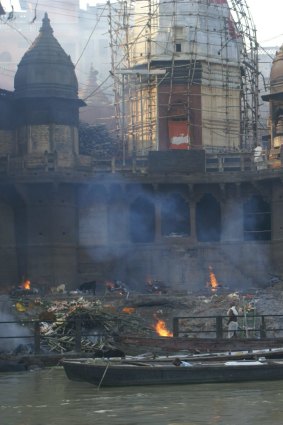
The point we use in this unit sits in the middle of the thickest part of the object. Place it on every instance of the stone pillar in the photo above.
(193, 235)
(192, 199)
(277, 228)
(276, 211)
(157, 205)
(52, 234)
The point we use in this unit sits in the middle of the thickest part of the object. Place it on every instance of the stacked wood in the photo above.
(97, 325)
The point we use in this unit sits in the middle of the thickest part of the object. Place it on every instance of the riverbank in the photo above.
(138, 315)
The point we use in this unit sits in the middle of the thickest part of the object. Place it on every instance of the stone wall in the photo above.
(178, 161)
(68, 233)
(7, 145)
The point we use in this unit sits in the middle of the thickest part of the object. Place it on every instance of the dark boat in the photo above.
(114, 374)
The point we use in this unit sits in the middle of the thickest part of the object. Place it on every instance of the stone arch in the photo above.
(208, 219)
(175, 215)
(257, 219)
(142, 220)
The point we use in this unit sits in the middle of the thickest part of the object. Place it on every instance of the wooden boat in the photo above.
(114, 374)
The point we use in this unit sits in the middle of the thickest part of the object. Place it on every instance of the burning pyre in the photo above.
(23, 289)
(212, 284)
(161, 329)
(25, 285)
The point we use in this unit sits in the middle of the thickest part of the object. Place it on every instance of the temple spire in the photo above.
(46, 27)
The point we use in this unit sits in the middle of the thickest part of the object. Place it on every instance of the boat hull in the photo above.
(111, 375)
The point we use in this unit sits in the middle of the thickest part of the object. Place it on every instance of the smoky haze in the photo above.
(73, 28)
(11, 334)
(115, 236)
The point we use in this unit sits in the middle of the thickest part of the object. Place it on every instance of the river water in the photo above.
(47, 397)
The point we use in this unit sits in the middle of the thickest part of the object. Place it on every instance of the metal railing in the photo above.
(37, 338)
(214, 327)
(33, 164)
(250, 326)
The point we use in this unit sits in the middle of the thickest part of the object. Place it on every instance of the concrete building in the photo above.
(68, 218)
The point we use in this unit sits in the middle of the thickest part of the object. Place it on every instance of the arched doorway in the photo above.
(208, 219)
(257, 219)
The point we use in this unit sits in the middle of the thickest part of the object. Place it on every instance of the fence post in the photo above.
(36, 337)
(219, 327)
(262, 328)
(78, 335)
(175, 327)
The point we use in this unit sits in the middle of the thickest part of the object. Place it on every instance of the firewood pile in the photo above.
(96, 324)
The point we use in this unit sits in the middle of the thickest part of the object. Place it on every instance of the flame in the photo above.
(26, 285)
(128, 310)
(161, 329)
(213, 281)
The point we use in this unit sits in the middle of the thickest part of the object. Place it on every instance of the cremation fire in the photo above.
(213, 284)
(24, 289)
(161, 329)
(129, 310)
(25, 285)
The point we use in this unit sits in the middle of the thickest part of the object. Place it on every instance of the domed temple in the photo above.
(67, 217)
(275, 99)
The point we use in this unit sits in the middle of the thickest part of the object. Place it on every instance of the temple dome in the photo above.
(276, 75)
(46, 70)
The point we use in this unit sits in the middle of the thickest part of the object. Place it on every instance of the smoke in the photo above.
(119, 233)
(246, 234)
(117, 219)
(11, 334)
(114, 217)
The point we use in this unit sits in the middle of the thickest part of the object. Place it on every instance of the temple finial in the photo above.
(46, 27)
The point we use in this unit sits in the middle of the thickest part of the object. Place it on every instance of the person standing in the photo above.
(232, 314)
